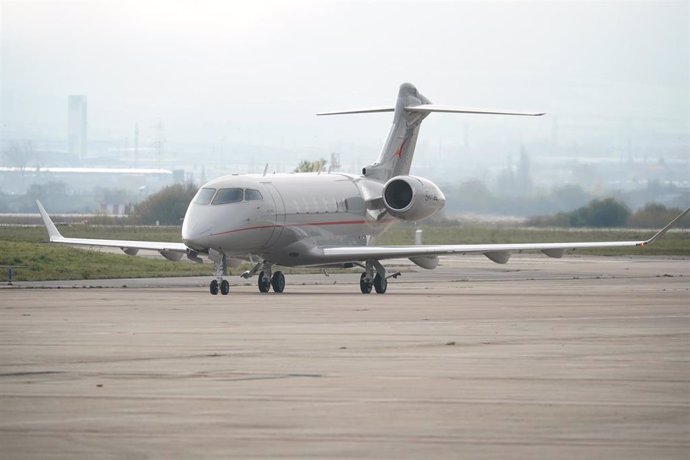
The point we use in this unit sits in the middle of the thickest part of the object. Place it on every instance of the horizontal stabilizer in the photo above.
(427, 108)
(364, 110)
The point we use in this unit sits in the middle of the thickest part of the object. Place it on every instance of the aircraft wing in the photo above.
(499, 253)
(172, 251)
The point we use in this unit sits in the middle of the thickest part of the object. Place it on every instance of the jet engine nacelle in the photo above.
(412, 197)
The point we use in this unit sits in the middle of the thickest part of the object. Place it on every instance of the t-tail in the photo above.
(409, 111)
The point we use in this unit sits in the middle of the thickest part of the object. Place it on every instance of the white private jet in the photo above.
(325, 219)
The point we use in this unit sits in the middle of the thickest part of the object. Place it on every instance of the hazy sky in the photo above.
(256, 71)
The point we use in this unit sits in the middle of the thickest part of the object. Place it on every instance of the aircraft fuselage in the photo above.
(284, 218)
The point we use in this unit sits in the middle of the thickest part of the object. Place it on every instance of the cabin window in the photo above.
(252, 195)
(204, 195)
(228, 195)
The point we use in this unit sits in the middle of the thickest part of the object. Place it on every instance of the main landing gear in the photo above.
(379, 280)
(267, 280)
(374, 276)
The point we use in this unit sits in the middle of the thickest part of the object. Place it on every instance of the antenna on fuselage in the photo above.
(265, 169)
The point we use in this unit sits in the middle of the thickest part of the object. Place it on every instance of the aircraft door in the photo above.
(279, 213)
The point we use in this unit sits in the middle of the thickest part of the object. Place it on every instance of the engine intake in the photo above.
(412, 197)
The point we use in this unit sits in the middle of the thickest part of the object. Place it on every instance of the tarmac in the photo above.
(581, 357)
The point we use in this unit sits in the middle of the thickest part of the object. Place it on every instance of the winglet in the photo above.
(661, 232)
(53, 232)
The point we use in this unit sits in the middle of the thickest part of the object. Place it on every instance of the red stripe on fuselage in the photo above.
(308, 224)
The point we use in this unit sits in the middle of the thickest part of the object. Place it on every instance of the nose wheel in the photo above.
(220, 263)
(223, 287)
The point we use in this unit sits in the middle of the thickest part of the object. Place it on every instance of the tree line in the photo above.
(610, 213)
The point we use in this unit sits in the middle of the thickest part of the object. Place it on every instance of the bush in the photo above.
(598, 213)
(654, 215)
(601, 213)
(166, 207)
(310, 166)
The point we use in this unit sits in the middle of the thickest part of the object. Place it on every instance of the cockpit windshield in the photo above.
(204, 195)
(228, 195)
(214, 196)
(252, 195)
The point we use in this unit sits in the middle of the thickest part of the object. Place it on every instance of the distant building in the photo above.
(115, 209)
(76, 111)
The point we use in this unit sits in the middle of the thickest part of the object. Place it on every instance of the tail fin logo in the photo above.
(398, 153)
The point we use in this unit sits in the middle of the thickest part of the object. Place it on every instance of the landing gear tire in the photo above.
(380, 284)
(278, 282)
(264, 283)
(213, 287)
(224, 287)
(365, 284)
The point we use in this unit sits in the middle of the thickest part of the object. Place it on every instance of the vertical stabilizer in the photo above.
(409, 111)
(396, 157)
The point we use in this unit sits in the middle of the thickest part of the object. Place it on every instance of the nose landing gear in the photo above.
(220, 264)
(223, 287)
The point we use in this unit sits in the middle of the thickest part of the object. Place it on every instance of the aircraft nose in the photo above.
(195, 229)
